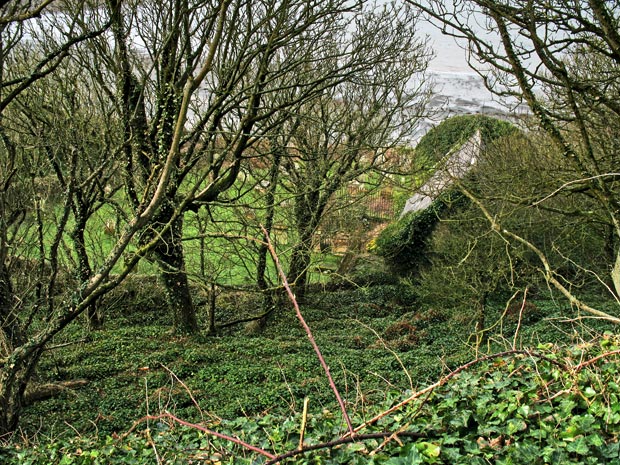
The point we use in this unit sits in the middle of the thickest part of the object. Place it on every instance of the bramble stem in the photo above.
(204, 430)
(315, 346)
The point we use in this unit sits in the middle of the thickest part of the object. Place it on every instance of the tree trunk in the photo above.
(211, 330)
(15, 373)
(300, 261)
(95, 321)
(9, 324)
(170, 257)
(309, 210)
(270, 296)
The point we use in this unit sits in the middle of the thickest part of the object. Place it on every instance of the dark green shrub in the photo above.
(455, 131)
(372, 271)
(403, 244)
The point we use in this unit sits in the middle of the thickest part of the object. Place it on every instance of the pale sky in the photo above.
(449, 56)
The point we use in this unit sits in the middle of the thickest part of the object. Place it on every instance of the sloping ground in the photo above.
(549, 405)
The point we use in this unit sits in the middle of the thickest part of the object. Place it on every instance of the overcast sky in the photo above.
(450, 57)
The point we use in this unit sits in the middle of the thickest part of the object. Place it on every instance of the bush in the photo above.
(403, 244)
(455, 131)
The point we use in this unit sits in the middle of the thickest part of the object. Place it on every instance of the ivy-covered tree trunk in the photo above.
(95, 321)
(300, 262)
(309, 209)
(171, 260)
(307, 215)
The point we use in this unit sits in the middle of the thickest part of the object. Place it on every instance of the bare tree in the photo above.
(190, 91)
(562, 58)
(263, 49)
(77, 134)
(29, 283)
(17, 20)
(353, 128)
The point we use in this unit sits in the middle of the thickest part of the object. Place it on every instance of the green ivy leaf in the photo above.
(429, 449)
(578, 446)
(589, 392)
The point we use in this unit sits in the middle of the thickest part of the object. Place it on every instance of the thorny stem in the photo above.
(345, 440)
(446, 378)
(315, 346)
(204, 430)
(592, 361)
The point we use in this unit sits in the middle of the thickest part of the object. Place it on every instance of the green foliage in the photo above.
(232, 374)
(455, 131)
(379, 344)
(404, 244)
(553, 404)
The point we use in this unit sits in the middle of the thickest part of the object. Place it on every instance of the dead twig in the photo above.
(170, 416)
(514, 340)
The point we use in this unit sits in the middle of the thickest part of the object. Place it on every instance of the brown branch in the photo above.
(317, 350)
(52, 61)
(592, 361)
(185, 387)
(65, 344)
(570, 183)
(26, 15)
(345, 440)
(199, 428)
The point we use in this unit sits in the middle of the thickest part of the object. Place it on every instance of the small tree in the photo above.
(352, 129)
(76, 135)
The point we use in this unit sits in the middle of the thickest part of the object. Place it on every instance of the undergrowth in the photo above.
(547, 405)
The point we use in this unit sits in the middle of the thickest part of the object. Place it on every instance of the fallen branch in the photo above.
(246, 320)
(47, 391)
